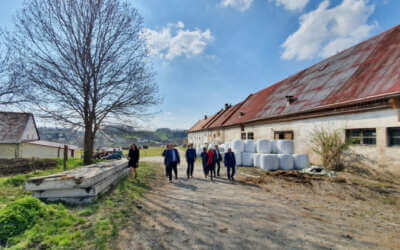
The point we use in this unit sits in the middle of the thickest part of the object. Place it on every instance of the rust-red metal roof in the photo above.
(368, 70)
(200, 124)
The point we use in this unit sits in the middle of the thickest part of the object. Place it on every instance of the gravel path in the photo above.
(200, 214)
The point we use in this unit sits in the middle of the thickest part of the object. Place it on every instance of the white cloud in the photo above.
(173, 41)
(292, 5)
(326, 31)
(240, 5)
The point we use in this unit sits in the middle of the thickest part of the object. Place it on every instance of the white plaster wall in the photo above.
(39, 151)
(8, 151)
(30, 133)
(199, 138)
(379, 156)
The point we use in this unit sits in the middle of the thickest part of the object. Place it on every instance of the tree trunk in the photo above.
(88, 145)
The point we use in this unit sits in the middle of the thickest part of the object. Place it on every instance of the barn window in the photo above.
(393, 136)
(283, 135)
(243, 136)
(361, 136)
(250, 136)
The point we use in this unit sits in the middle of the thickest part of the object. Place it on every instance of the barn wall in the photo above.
(8, 151)
(379, 156)
(39, 151)
(198, 139)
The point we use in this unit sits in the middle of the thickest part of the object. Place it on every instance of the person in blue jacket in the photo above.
(190, 158)
(172, 160)
(204, 160)
(230, 163)
(218, 159)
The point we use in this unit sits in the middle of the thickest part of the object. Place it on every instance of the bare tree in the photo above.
(85, 61)
(10, 90)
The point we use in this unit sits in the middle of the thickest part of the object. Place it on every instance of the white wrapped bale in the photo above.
(249, 146)
(257, 160)
(301, 161)
(237, 146)
(286, 162)
(238, 158)
(269, 162)
(263, 146)
(247, 159)
(285, 147)
(274, 147)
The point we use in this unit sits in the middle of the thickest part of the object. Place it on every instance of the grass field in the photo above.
(151, 151)
(61, 226)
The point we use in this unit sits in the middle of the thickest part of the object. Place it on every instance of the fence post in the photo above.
(65, 156)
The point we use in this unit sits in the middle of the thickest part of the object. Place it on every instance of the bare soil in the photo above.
(261, 210)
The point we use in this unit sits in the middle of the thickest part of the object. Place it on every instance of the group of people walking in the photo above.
(211, 161)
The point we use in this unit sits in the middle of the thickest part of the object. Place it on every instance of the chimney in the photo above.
(205, 117)
(290, 99)
(226, 106)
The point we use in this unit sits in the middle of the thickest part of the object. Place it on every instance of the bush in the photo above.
(331, 146)
(18, 216)
(16, 181)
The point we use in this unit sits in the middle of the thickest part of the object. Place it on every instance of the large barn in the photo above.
(356, 91)
(19, 138)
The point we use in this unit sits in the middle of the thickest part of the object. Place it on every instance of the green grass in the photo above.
(151, 151)
(93, 226)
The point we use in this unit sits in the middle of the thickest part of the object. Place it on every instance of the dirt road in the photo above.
(200, 214)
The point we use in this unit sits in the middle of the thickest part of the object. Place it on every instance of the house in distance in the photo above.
(356, 91)
(19, 138)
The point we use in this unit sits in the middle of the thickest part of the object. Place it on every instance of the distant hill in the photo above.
(115, 136)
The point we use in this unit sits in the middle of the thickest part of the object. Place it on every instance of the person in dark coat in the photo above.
(230, 163)
(211, 162)
(204, 159)
(165, 163)
(218, 159)
(133, 157)
(172, 160)
(190, 158)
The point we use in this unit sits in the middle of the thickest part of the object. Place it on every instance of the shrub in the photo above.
(15, 181)
(331, 146)
(18, 216)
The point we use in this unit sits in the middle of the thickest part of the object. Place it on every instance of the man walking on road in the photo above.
(230, 163)
(172, 160)
(190, 159)
(218, 159)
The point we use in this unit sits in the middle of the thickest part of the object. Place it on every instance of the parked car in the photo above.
(115, 156)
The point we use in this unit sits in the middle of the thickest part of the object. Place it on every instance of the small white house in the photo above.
(19, 138)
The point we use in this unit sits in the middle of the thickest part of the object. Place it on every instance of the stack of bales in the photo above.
(267, 154)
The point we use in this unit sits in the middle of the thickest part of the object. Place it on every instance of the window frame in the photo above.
(243, 135)
(361, 137)
(389, 137)
(283, 132)
(250, 137)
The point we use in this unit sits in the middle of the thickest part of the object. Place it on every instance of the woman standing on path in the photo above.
(133, 157)
(211, 162)
(204, 159)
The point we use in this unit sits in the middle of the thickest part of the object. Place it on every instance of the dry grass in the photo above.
(364, 200)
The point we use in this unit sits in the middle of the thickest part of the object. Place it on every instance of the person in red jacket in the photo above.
(211, 162)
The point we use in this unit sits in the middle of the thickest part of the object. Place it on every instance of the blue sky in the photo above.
(209, 52)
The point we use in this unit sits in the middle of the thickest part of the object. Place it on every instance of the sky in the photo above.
(206, 53)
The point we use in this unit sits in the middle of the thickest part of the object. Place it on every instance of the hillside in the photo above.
(115, 136)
